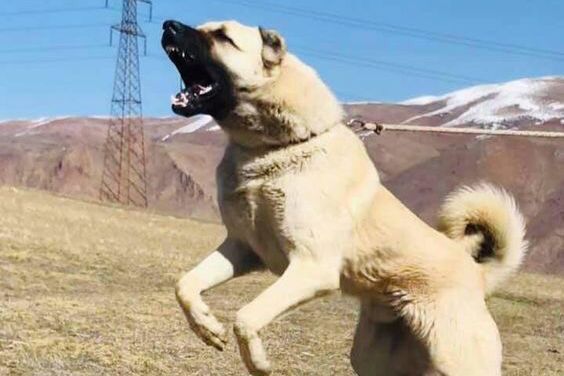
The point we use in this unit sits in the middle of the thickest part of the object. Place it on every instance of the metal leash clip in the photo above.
(363, 128)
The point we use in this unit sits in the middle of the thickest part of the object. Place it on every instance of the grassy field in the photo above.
(88, 290)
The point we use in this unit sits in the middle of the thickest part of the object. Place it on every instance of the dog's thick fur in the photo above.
(299, 195)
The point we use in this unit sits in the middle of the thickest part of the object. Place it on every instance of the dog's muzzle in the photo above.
(188, 49)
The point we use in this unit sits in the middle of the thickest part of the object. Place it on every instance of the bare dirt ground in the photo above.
(88, 290)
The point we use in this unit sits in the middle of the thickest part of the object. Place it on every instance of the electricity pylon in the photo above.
(124, 179)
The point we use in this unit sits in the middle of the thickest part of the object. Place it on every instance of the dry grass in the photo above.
(88, 290)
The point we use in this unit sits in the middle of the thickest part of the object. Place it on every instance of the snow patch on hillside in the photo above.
(44, 120)
(497, 104)
(362, 103)
(421, 101)
(196, 123)
(39, 123)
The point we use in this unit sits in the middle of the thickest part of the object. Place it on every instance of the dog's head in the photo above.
(244, 78)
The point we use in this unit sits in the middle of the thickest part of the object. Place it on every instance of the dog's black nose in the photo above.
(173, 25)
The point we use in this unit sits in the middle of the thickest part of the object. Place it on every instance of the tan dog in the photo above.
(299, 195)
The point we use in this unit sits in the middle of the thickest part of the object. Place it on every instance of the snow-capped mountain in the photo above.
(530, 100)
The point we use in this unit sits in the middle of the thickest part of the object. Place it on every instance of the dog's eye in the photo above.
(220, 35)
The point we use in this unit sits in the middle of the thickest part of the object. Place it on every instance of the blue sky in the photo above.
(50, 70)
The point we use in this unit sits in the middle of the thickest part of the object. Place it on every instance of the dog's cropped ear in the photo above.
(273, 47)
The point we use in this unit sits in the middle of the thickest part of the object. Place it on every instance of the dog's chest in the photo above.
(253, 207)
(255, 212)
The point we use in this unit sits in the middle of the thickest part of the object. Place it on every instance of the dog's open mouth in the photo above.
(207, 88)
(199, 85)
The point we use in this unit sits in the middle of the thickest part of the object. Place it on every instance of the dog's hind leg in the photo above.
(231, 259)
(384, 345)
(302, 281)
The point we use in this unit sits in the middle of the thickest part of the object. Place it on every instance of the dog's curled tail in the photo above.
(486, 220)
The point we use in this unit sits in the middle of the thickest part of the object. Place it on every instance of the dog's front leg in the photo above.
(302, 281)
(231, 259)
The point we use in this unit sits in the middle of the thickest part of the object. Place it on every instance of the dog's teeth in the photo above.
(171, 49)
(179, 99)
(203, 89)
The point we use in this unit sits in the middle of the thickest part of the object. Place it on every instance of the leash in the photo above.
(365, 129)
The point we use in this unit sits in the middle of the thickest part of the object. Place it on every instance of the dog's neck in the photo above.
(268, 126)
(293, 107)
(270, 162)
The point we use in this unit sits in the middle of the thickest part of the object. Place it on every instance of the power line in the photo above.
(20, 29)
(366, 62)
(53, 48)
(70, 59)
(369, 63)
(373, 64)
(386, 65)
(363, 24)
(55, 60)
(320, 54)
(389, 66)
(50, 11)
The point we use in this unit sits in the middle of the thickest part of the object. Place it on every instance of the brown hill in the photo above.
(64, 155)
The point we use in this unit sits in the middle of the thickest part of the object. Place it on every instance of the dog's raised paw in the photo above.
(205, 325)
(209, 330)
(252, 351)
